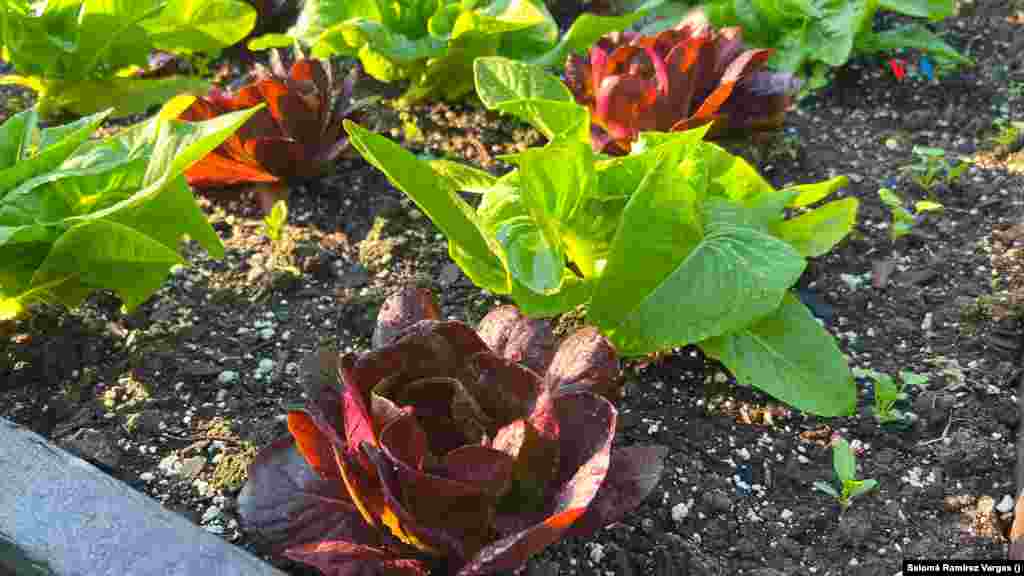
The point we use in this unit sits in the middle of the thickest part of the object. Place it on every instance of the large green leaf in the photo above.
(81, 54)
(789, 355)
(536, 32)
(474, 252)
(574, 292)
(208, 26)
(529, 93)
(15, 139)
(931, 9)
(816, 232)
(674, 277)
(584, 32)
(911, 36)
(106, 254)
(124, 96)
(808, 194)
(75, 134)
(501, 80)
(319, 15)
(554, 181)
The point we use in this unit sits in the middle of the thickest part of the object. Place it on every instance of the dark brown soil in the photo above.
(175, 397)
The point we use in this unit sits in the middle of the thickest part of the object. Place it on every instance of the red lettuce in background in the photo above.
(296, 137)
(679, 79)
(448, 450)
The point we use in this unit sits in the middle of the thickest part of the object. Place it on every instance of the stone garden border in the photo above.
(60, 515)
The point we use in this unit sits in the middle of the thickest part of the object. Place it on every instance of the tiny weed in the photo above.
(844, 463)
(275, 227)
(931, 167)
(889, 391)
(903, 220)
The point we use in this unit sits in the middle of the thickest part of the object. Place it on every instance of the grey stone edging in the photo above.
(61, 511)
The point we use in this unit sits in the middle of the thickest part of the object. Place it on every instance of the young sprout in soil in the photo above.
(1009, 136)
(889, 391)
(903, 220)
(932, 167)
(844, 462)
(275, 227)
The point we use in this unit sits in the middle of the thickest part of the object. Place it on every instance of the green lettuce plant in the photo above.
(83, 56)
(812, 36)
(677, 243)
(844, 463)
(78, 215)
(432, 43)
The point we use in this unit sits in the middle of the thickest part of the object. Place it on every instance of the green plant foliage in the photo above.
(889, 391)
(82, 56)
(931, 167)
(433, 43)
(844, 463)
(677, 243)
(812, 36)
(79, 215)
(903, 220)
(274, 223)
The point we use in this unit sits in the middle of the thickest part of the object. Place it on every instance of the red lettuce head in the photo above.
(676, 80)
(295, 137)
(445, 446)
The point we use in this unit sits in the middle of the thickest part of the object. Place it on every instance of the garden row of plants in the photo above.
(628, 210)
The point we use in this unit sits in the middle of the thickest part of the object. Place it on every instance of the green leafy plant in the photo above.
(81, 56)
(680, 242)
(78, 215)
(448, 450)
(810, 37)
(888, 392)
(432, 43)
(844, 463)
(681, 78)
(903, 221)
(932, 167)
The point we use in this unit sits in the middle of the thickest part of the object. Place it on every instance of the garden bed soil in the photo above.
(175, 398)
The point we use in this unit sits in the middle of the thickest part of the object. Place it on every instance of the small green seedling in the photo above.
(932, 167)
(844, 462)
(275, 227)
(274, 223)
(888, 392)
(903, 220)
(1007, 133)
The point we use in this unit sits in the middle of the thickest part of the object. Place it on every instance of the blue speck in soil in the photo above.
(746, 478)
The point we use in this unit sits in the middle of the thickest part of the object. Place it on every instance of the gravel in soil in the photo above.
(176, 397)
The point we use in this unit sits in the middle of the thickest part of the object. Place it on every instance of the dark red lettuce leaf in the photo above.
(587, 422)
(401, 310)
(343, 558)
(513, 336)
(289, 504)
(432, 513)
(586, 361)
(295, 137)
(633, 472)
